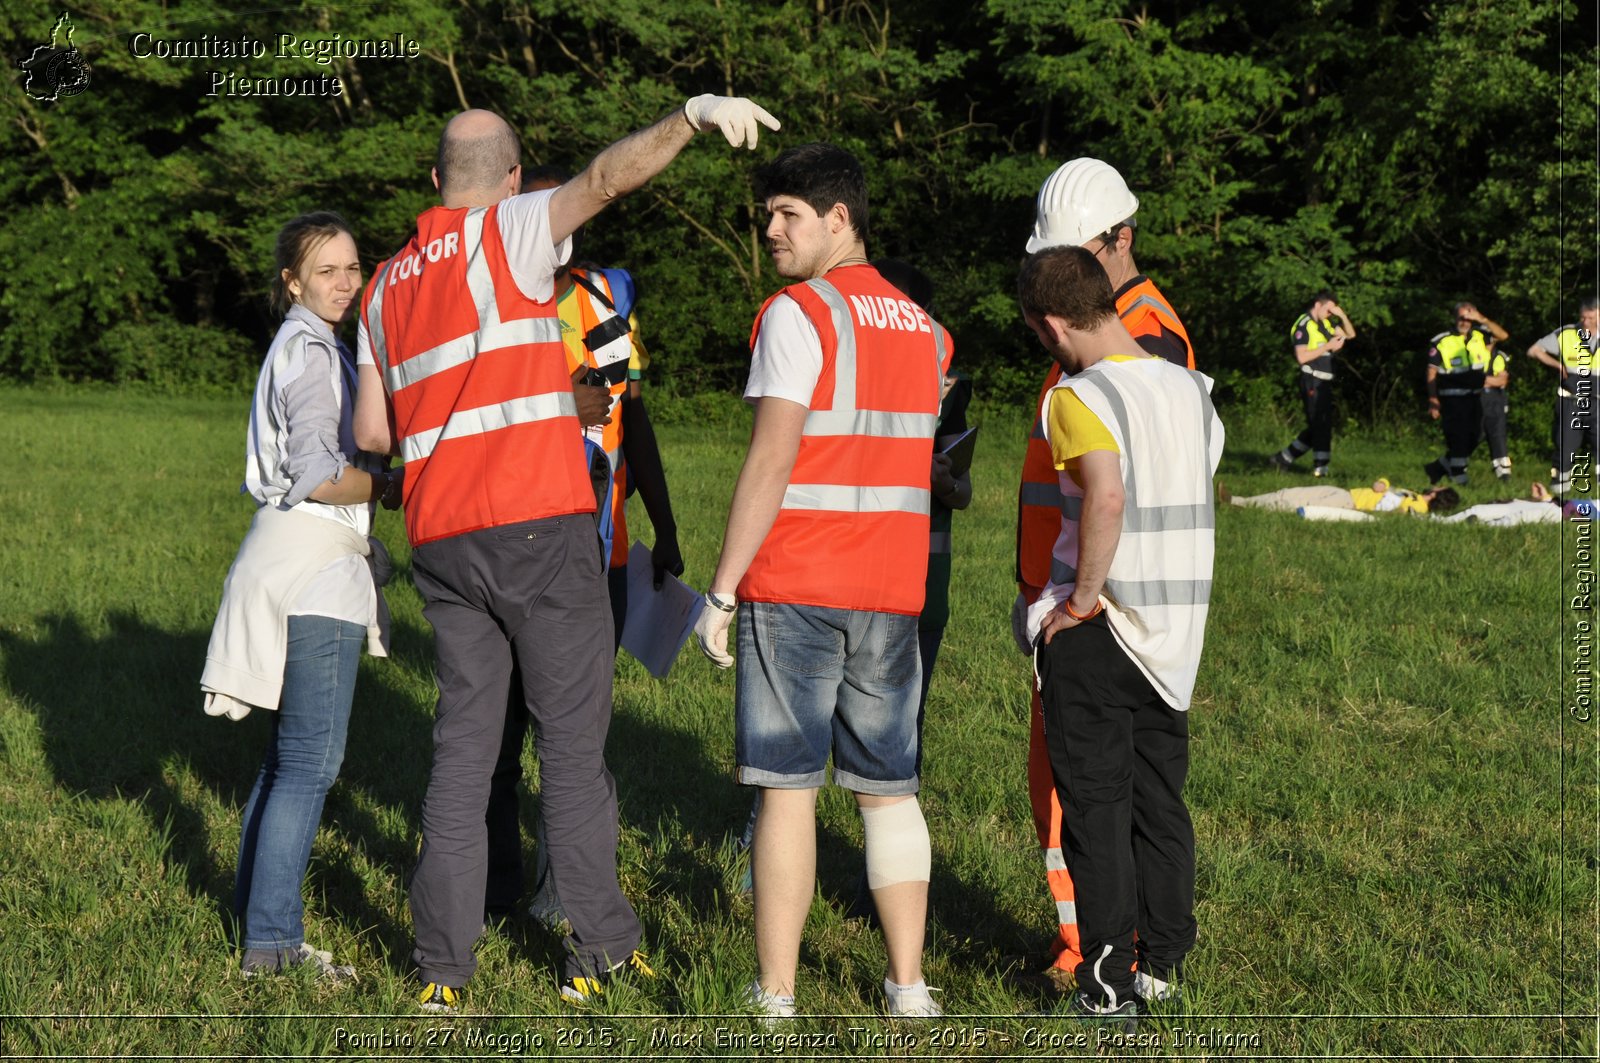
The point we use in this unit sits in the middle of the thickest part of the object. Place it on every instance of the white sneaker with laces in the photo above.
(911, 1001)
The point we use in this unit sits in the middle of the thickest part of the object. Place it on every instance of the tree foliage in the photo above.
(1406, 155)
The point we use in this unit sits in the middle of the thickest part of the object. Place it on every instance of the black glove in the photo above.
(666, 558)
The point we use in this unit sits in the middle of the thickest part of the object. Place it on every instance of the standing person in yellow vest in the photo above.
(824, 560)
(462, 373)
(600, 333)
(1117, 633)
(1084, 203)
(1458, 363)
(1496, 411)
(1571, 351)
(1317, 335)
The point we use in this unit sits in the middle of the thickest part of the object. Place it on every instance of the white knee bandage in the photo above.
(897, 844)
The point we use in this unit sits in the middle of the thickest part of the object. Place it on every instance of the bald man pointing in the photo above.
(463, 374)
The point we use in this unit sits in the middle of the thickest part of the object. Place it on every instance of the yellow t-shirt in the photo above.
(1075, 430)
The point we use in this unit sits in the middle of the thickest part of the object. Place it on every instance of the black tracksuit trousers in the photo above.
(1120, 755)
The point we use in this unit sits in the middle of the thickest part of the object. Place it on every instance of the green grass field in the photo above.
(1396, 813)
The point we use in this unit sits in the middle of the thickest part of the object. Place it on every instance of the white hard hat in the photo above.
(1078, 202)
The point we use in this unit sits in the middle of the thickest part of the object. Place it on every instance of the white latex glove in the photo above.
(1019, 624)
(711, 628)
(739, 119)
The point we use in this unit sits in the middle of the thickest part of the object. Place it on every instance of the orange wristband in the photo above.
(1090, 615)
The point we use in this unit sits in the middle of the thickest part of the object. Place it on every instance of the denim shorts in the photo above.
(813, 680)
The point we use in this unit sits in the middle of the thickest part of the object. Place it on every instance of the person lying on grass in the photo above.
(1381, 497)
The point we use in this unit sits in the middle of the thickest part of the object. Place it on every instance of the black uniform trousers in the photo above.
(1575, 428)
(1461, 417)
(1495, 409)
(1120, 755)
(1317, 437)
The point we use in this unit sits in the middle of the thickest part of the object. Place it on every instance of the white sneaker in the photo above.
(769, 1005)
(320, 961)
(1148, 987)
(911, 1001)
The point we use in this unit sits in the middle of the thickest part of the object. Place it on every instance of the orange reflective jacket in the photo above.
(853, 529)
(483, 407)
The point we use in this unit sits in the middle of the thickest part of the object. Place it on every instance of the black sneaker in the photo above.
(440, 998)
(1434, 471)
(1280, 461)
(583, 989)
(1087, 1009)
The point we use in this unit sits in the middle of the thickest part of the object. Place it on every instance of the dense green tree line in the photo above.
(1406, 154)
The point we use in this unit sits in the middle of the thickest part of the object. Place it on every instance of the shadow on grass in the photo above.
(120, 718)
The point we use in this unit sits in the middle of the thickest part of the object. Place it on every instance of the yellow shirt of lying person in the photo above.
(1383, 497)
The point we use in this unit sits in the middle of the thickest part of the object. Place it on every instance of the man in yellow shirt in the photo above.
(1117, 632)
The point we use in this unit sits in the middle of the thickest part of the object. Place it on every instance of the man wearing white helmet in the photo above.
(1085, 203)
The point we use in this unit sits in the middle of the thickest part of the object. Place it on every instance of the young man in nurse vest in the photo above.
(463, 374)
(1118, 629)
(824, 559)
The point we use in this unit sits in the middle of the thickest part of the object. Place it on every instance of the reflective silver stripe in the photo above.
(1061, 572)
(464, 349)
(844, 357)
(1208, 412)
(492, 333)
(1136, 518)
(1067, 913)
(1146, 300)
(1041, 494)
(1159, 592)
(1119, 412)
(938, 542)
(375, 318)
(871, 423)
(489, 419)
(1054, 861)
(1319, 374)
(842, 498)
(1456, 393)
(1169, 518)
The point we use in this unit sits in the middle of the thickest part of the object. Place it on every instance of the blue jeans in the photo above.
(811, 680)
(280, 818)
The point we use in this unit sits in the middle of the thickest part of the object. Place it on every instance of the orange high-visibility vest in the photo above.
(853, 529)
(1144, 312)
(483, 408)
(608, 342)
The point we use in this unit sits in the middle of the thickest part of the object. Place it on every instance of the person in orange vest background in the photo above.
(463, 374)
(1084, 203)
(600, 333)
(824, 560)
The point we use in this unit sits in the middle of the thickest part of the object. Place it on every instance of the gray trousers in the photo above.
(530, 594)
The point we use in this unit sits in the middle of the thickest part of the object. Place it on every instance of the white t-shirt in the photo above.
(533, 258)
(787, 360)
